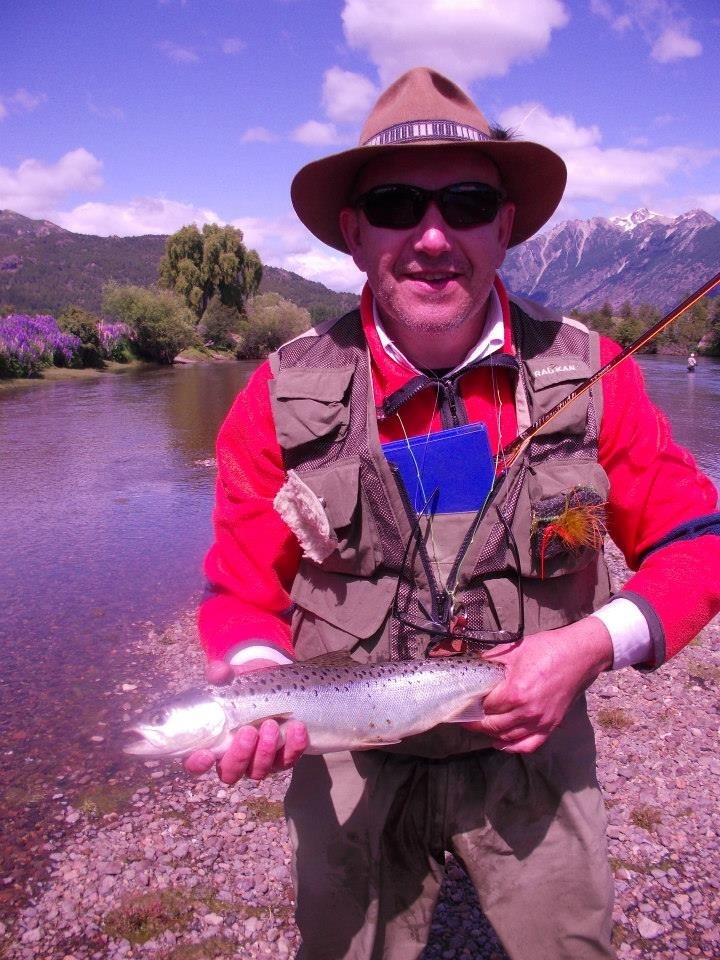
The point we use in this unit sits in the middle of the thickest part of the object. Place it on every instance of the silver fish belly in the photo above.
(348, 707)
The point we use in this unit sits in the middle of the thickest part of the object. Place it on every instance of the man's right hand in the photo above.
(254, 752)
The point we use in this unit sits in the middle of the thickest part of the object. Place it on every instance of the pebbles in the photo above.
(189, 862)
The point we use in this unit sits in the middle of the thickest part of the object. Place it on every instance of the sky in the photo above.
(127, 117)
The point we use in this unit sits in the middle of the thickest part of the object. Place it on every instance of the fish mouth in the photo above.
(147, 743)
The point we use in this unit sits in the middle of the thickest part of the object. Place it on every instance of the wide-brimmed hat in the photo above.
(422, 109)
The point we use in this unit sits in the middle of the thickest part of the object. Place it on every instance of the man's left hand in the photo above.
(544, 674)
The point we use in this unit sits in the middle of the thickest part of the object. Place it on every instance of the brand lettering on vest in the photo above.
(560, 368)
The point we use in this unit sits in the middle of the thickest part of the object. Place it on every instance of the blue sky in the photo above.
(138, 116)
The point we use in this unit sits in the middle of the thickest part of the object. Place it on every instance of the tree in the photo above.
(213, 263)
(271, 320)
(163, 325)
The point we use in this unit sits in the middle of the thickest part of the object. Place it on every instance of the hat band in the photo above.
(426, 130)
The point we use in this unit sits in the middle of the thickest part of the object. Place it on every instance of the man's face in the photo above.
(429, 279)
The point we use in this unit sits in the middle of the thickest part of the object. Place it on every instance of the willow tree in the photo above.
(214, 262)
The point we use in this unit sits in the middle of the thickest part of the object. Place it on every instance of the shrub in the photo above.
(271, 321)
(83, 325)
(29, 344)
(220, 325)
(162, 325)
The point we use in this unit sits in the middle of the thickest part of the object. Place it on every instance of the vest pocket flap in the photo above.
(553, 379)
(326, 385)
(551, 371)
(337, 489)
(356, 606)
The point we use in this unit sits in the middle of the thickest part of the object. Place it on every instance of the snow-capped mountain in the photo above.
(641, 258)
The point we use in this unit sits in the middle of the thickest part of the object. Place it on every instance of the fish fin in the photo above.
(473, 711)
(373, 743)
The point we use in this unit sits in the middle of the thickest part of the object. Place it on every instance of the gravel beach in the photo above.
(175, 868)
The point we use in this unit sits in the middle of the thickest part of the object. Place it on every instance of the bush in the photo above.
(161, 324)
(115, 340)
(29, 344)
(271, 321)
(220, 325)
(83, 325)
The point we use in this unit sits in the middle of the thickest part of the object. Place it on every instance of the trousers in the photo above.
(370, 831)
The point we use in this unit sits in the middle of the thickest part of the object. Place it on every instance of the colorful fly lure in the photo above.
(567, 522)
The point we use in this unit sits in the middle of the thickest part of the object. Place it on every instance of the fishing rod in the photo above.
(509, 453)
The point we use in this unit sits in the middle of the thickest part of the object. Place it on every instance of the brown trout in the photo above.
(350, 706)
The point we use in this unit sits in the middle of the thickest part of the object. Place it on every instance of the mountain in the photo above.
(44, 268)
(641, 258)
(578, 264)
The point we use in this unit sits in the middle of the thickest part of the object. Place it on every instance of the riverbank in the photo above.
(180, 869)
(63, 374)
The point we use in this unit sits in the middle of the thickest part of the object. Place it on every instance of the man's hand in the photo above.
(254, 752)
(544, 674)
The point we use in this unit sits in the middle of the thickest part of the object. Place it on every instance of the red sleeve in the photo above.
(655, 486)
(254, 558)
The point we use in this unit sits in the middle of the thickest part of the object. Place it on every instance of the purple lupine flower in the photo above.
(114, 338)
(29, 343)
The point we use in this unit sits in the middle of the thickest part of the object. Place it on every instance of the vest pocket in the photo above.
(339, 491)
(334, 612)
(562, 528)
(309, 404)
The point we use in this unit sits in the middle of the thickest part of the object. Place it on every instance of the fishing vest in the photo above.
(374, 577)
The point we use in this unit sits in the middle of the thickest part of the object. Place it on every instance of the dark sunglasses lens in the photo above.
(400, 206)
(395, 207)
(469, 206)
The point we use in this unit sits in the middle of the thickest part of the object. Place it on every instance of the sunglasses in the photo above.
(399, 206)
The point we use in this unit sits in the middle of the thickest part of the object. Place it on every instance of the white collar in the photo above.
(491, 340)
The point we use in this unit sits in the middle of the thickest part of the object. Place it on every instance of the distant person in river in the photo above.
(338, 530)
(691, 363)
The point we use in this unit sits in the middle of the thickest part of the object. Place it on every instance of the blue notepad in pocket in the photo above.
(451, 471)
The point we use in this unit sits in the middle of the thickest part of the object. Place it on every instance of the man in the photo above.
(323, 545)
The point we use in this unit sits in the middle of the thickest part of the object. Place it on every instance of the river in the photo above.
(106, 486)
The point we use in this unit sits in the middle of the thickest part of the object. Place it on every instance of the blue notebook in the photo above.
(446, 472)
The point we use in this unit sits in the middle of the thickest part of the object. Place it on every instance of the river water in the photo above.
(106, 489)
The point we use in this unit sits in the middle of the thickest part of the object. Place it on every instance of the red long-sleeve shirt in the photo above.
(655, 486)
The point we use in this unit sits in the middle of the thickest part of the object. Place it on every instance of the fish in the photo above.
(344, 705)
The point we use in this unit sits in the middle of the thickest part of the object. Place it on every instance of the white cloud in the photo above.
(602, 174)
(661, 23)
(176, 53)
(465, 39)
(286, 243)
(673, 44)
(336, 271)
(232, 45)
(316, 134)
(140, 216)
(258, 135)
(35, 188)
(22, 101)
(347, 97)
(710, 202)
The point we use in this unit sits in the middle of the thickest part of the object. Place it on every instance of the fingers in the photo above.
(217, 671)
(199, 762)
(255, 753)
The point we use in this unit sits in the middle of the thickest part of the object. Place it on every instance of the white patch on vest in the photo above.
(560, 368)
(303, 512)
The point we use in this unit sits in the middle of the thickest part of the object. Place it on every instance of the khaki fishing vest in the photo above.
(373, 575)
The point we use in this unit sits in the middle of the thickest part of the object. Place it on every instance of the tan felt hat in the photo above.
(421, 109)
